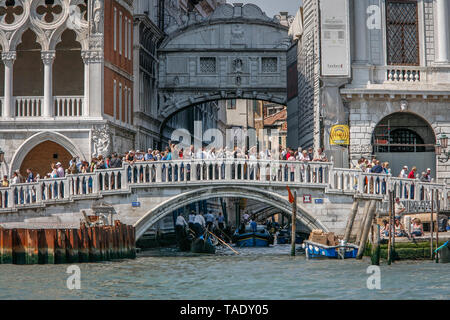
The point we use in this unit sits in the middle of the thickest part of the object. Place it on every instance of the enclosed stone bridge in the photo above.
(236, 52)
(146, 192)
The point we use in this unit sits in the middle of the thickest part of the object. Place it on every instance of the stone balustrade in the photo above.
(260, 173)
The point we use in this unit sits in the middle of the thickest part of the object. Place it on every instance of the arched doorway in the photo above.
(405, 139)
(40, 158)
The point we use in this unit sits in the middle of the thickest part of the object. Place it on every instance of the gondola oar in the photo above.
(222, 241)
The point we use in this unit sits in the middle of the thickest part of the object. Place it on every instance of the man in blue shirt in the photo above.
(377, 168)
(148, 156)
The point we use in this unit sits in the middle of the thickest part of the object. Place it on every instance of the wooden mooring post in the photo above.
(351, 220)
(437, 226)
(366, 229)
(432, 225)
(390, 228)
(376, 250)
(294, 224)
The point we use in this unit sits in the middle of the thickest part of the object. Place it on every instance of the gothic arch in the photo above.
(271, 198)
(38, 138)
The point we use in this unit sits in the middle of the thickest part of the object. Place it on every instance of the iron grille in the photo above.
(269, 65)
(208, 65)
(402, 32)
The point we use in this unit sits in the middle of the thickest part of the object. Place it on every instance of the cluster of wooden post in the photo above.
(56, 246)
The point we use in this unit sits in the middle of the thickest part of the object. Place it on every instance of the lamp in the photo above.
(2, 156)
(441, 149)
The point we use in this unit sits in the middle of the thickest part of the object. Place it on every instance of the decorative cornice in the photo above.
(92, 57)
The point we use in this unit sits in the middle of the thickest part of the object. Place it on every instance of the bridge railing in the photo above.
(167, 173)
(227, 170)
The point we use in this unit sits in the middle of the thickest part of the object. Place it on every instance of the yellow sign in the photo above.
(340, 135)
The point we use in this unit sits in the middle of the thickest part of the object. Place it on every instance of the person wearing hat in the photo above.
(59, 170)
(428, 175)
(404, 172)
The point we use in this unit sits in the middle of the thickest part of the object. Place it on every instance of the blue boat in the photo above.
(317, 250)
(250, 238)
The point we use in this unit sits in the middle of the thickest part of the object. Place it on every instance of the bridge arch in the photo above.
(181, 200)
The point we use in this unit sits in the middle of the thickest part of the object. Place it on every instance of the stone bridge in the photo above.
(324, 194)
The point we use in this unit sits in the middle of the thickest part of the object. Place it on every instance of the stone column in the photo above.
(8, 59)
(442, 30)
(93, 83)
(360, 15)
(47, 58)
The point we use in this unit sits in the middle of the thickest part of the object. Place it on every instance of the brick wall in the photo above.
(39, 159)
(118, 61)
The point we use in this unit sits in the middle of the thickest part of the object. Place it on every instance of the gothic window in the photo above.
(231, 104)
(208, 65)
(269, 65)
(402, 33)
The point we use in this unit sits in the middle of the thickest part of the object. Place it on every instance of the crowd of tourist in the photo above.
(174, 152)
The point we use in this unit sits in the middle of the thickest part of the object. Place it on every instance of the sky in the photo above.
(273, 7)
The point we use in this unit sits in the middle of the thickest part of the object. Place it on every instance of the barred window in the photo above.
(402, 32)
(269, 65)
(208, 65)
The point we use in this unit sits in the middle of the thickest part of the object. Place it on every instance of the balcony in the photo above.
(33, 107)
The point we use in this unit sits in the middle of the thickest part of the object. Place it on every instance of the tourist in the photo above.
(246, 217)
(311, 153)
(412, 174)
(417, 228)
(399, 230)
(5, 182)
(15, 178)
(30, 176)
(253, 225)
(54, 173)
(139, 157)
(149, 156)
(320, 156)
(60, 170)
(116, 162)
(377, 168)
(423, 177)
(428, 175)
(404, 172)
(385, 228)
(399, 207)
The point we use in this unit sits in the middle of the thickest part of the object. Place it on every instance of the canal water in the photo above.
(261, 273)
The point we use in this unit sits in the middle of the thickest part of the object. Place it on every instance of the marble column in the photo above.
(441, 10)
(8, 59)
(47, 58)
(93, 83)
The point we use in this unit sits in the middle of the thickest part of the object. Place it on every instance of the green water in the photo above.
(262, 273)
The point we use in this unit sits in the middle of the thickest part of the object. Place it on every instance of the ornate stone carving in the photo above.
(238, 64)
(97, 17)
(237, 34)
(9, 57)
(92, 56)
(101, 139)
(361, 149)
(11, 14)
(48, 57)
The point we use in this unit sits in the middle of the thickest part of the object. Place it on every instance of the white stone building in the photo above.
(381, 67)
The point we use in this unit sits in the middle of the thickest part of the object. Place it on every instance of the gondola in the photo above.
(249, 238)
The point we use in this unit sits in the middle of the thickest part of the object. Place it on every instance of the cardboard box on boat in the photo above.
(318, 238)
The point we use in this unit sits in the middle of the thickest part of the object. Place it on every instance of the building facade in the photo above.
(61, 59)
(384, 71)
